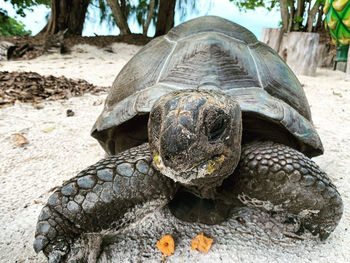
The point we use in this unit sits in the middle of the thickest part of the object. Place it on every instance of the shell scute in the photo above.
(209, 53)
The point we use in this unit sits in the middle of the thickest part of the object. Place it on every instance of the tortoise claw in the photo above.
(55, 257)
(40, 243)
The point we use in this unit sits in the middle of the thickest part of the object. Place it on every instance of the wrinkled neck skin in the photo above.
(195, 139)
(206, 190)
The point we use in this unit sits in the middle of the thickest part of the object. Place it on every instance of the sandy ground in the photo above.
(60, 146)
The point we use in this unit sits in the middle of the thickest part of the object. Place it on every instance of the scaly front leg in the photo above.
(281, 179)
(98, 197)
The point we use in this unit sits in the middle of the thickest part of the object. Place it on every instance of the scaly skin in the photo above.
(97, 198)
(269, 175)
(289, 182)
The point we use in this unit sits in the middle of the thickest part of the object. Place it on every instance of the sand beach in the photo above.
(60, 146)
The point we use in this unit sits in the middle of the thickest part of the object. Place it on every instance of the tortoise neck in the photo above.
(206, 190)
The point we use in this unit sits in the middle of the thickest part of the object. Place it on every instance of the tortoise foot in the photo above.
(108, 195)
(280, 179)
(54, 234)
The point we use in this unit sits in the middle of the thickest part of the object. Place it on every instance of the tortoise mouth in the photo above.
(205, 169)
(211, 165)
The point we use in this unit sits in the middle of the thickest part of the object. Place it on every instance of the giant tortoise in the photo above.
(202, 119)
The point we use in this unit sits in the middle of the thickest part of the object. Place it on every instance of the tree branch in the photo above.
(311, 16)
(149, 17)
(290, 22)
(119, 17)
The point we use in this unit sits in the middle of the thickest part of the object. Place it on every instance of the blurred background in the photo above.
(33, 15)
(311, 33)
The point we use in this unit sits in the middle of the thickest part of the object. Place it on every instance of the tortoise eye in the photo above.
(217, 128)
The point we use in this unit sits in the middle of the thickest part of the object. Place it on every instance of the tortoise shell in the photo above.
(209, 53)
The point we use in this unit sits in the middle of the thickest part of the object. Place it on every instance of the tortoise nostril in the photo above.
(167, 158)
(181, 158)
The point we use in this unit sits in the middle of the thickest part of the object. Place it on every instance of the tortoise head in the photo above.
(195, 136)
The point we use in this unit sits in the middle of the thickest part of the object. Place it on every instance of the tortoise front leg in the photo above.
(279, 178)
(98, 198)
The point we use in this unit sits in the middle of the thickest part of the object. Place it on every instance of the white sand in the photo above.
(28, 173)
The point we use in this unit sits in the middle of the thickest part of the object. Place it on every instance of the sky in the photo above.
(255, 20)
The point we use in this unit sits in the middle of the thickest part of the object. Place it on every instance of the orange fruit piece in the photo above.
(166, 245)
(201, 243)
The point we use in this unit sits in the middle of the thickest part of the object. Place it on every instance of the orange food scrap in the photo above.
(166, 245)
(201, 243)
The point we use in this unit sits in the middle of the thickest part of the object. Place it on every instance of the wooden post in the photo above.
(347, 76)
(272, 37)
(341, 66)
(300, 51)
(325, 56)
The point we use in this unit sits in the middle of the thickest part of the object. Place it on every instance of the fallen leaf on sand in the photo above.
(338, 94)
(201, 243)
(35, 88)
(166, 245)
(49, 129)
(19, 139)
(98, 102)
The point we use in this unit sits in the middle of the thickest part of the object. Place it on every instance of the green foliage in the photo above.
(137, 10)
(297, 21)
(300, 18)
(184, 5)
(140, 11)
(105, 13)
(21, 5)
(11, 27)
(252, 4)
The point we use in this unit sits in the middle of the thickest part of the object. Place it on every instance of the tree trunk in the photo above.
(311, 17)
(300, 50)
(66, 14)
(299, 15)
(284, 14)
(165, 19)
(318, 25)
(149, 17)
(291, 15)
(272, 37)
(123, 8)
(119, 17)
